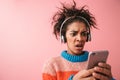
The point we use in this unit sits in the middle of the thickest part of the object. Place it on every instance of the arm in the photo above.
(48, 72)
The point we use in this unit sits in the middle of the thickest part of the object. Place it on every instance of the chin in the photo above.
(78, 52)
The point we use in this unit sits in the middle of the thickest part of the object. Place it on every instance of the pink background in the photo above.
(26, 39)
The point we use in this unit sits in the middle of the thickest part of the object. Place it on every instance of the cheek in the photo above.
(85, 38)
(70, 39)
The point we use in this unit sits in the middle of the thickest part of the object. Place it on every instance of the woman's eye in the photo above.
(84, 34)
(73, 34)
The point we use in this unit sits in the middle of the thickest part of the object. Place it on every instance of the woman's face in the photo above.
(76, 36)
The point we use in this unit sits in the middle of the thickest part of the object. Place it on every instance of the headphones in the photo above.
(62, 38)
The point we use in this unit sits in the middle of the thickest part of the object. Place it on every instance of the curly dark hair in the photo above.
(65, 12)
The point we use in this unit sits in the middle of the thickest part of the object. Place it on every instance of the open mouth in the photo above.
(79, 46)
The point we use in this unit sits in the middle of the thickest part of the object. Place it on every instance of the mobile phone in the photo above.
(95, 57)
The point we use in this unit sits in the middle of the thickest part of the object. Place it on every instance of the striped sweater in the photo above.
(64, 66)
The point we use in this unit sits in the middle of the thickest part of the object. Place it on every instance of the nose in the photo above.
(79, 38)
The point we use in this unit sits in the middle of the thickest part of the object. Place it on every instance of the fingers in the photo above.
(83, 74)
(87, 73)
(104, 65)
(88, 78)
(102, 71)
(100, 77)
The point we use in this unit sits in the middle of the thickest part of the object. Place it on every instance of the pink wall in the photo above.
(26, 39)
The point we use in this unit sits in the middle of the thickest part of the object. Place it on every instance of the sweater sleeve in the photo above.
(49, 72)
(71, 77)
(113, 79)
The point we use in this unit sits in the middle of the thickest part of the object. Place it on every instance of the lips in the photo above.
(79, 46)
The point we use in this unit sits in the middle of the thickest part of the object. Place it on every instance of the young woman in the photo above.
(73, 26)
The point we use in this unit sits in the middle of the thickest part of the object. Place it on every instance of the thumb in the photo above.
(86, 73)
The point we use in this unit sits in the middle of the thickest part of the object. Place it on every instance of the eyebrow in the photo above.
(77, 31)
(73, 31)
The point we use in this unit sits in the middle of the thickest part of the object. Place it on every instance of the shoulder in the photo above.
(50, 65)
(53, 60)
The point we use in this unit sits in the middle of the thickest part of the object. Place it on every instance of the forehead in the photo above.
(77, 26)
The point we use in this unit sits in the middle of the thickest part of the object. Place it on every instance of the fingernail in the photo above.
(100, 63)
(93, 74)
(95, 68)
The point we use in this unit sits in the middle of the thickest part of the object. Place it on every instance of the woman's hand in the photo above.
(84, 75)
(102, 71)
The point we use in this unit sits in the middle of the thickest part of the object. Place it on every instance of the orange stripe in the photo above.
(48, 77)
(59, 75)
